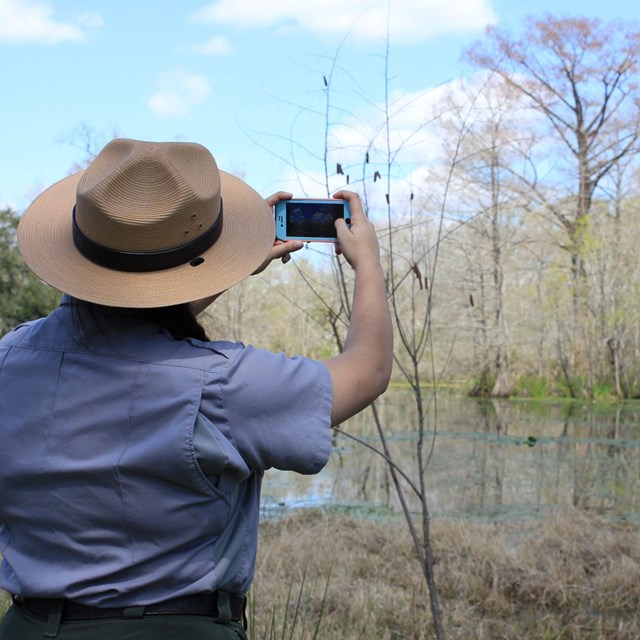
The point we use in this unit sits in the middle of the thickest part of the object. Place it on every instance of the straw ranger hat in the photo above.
(147, 224)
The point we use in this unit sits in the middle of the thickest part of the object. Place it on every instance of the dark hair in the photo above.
(177, 319)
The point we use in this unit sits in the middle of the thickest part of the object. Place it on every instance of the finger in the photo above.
(284, 249)
(274, 198)
(341, 226)
(344, 194)
(355, 204)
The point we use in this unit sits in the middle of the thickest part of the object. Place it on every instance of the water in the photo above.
(489, 459)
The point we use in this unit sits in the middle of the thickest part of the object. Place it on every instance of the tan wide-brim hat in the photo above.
(147, 225)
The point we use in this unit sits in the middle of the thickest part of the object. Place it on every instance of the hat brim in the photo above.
(46, 243)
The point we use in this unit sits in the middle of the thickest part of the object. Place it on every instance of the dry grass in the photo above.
(573, 576)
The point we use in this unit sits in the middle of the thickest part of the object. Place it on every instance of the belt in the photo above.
(219, 604)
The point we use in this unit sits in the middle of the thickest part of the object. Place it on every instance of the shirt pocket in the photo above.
(218, 459)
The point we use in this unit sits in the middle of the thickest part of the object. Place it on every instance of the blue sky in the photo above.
(243, 77)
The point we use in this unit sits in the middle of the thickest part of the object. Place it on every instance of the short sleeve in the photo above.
(276, 410)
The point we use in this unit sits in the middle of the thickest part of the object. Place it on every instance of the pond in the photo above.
(488, 459)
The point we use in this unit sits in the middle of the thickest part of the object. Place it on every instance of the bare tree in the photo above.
(582, 76)
(88, 140)
(490, 143)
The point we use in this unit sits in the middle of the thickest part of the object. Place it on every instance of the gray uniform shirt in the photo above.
(131, 463)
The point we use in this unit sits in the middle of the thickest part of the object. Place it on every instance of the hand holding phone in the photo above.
(310, 220)
(359, 242)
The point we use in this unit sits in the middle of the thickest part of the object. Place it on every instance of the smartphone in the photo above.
(310, 220)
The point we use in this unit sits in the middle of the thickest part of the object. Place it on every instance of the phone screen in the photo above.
(313, 219)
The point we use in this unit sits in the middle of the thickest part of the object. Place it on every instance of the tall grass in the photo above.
(571, 576)
(288, 620)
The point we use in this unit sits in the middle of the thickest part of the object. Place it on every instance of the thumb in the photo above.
(342, 229)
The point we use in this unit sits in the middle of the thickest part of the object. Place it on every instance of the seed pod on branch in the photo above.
(416, 270)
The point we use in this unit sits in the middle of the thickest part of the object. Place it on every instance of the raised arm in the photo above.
(362, 371)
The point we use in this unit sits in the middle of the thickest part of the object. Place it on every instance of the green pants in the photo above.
(19, 624)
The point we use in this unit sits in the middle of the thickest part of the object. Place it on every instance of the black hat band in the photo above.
(139, 261)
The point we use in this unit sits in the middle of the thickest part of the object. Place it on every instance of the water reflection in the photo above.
(491, 459)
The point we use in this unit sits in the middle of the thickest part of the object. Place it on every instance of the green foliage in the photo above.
(23, 296)
(533, 387)
(604, 391)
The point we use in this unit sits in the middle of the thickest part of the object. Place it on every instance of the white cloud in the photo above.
(91, 20)
(32, 21)
(179, 92)
(216, 46)
(408, 20)
(420, 123)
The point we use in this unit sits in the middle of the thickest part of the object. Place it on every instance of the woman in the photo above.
(132, 446)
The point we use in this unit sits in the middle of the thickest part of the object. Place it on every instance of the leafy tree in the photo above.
(23, 296)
